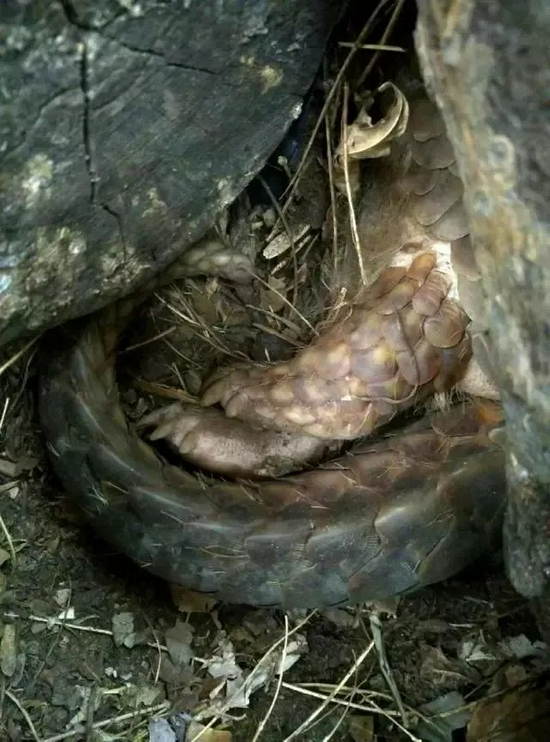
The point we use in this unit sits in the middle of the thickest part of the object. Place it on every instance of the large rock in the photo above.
(489, 65)
(125, 127)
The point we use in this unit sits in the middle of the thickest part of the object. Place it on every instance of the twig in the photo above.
(4, 412)
(304, 691)
(141, 344)
(376, 630)
(18, 355)
(168, 392)
(373, 708)
(330, 164)
(13, 698)
(89, 629)
(252, 674)
(264, 721)
(131, 715)
(9, 541)
(287, 302)
(336, 727)
(385, 36)
(330, 95)
(289, 324)
(352, 217)
(364, 654)
(374, 47)
(272, 331)
(289, 234)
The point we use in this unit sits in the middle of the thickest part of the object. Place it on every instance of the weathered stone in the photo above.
(489, 66)
(125, 127)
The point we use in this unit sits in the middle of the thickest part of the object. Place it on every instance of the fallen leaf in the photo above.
(8, 468)
(178, 642)
(519, 647)
(62, 597)
(5, 556)
(188, 601)
(433, 626)
(443, 671)
(210, 735)
(367, 139)
(173, 729)
(238, 687)
(477, 650)
(361, 728)
(122, 626)
(8, 650)
(282, 242)
(159, 730)
(520, 715)
(442, 717)
(271, 299)
(26, 463)
(89, 701)
(142, 695)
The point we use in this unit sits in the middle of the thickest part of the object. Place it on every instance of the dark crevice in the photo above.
(190, 67)
(74, 20)
(70, 12)
(86, 135)
(72, 17)
(160, 55)
(109, 210)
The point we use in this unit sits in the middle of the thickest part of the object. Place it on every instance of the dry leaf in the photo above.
(62, 597)
(160, 731)
(282, 242)
(188, 601)
(520, 715)
(4, 556)
(8, 468)
(371, 140)
(210, 735)
(442, 717)
(122, 626)
(178, 642)
(361, 728)
(8, 650)
(443, 671)
(272, 298)
(366, 139)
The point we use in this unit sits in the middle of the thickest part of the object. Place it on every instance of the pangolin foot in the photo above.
(208, 439)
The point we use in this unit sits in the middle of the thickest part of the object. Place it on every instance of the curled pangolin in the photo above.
(388, 517)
